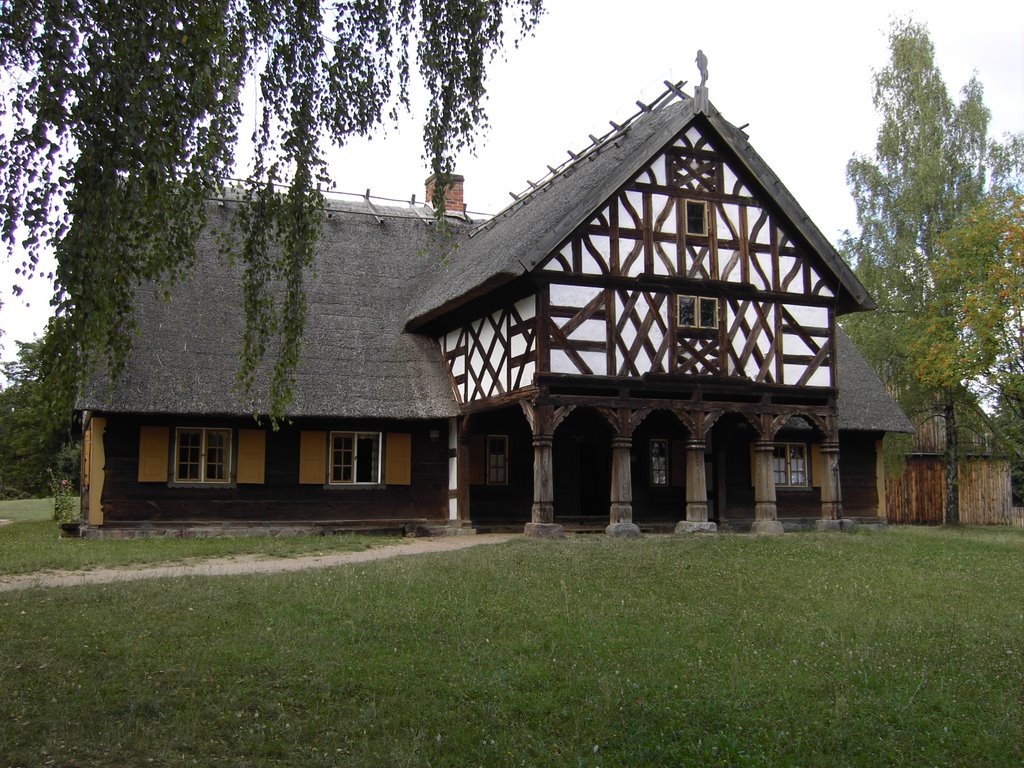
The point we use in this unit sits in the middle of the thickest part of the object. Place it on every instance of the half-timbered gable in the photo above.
(648, 336)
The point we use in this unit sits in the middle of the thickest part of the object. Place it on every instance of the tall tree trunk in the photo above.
(952, 513)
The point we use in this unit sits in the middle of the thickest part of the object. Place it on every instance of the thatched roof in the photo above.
(864, 405)
(517, 240)
(376, 267)
(356, 360)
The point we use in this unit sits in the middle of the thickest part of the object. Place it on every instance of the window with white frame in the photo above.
(202, 455)
(696, 217)
(697, 312)
(354, 458)
(659, 462)
(497, 460)
(790, 465)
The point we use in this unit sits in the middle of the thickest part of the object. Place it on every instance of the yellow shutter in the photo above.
(817, 466)
(97, 463)
(477, 460)
(398, 459)
(252, 449)
(153, 453)
(313, 458)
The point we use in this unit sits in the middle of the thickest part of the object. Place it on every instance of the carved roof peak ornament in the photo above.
(700, 93)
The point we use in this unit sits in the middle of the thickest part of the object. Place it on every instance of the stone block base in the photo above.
(767, 528)
(686, 526)
(835, 525)
(544, 531)
(623, 531)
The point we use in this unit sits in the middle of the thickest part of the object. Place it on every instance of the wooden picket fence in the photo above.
(1017, 517)
(918, 497)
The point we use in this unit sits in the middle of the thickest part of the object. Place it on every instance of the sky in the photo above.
(799, 73)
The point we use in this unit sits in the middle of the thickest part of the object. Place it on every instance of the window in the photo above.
(202, 455)
(698, 312)
(659, 462)
(355, 457)
(497, 460)
(696, 217)
(790, 464)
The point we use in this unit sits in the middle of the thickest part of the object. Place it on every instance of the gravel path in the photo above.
(231, 566)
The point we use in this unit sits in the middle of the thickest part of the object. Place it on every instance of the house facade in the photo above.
(646, 340)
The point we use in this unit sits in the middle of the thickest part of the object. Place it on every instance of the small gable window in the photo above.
(355, 457)
(790, 465)
(497, 460)
(697, 312)
(202, 455)
(696, 217)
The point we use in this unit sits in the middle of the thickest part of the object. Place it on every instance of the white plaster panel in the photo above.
(529, 370)
(560, 362)
(527, 308)
(794, 345)
(453, 509)
(598, 361)
(663, 251)
(633, 220)
(728, 214)
(693, 135)
(660, 167)
(572, 295)
(763, 260)
(626, 248)
(821, 377)
(591, 330)
(458, 365)
(809, 316)
(731, 274)
(663, 208)
(453, 473)
(763, 236)
(517, 344)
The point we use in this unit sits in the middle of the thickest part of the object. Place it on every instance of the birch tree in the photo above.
(122, 120)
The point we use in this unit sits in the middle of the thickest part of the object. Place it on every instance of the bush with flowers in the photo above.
(63, 492)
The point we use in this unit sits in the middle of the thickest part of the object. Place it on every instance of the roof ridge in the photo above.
(672, 92)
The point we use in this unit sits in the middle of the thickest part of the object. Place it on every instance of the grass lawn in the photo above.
(27, 510)
(32, 543)
(903, 648)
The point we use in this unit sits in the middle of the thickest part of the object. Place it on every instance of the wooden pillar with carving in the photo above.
(460, 436)
(620, 513)
(544, 420)
(831, 492)
(699, 424)
(766, 513)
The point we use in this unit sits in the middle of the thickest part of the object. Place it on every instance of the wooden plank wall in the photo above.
(1017, 517)
(918, 496)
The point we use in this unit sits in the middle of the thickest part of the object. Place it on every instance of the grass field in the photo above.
(903, 648)
(32, 543)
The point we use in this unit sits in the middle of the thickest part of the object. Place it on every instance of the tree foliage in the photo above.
(933, 164)
(123, 121)
(35, 420)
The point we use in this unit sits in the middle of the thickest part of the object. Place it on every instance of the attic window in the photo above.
(698, 312)
(696, 217)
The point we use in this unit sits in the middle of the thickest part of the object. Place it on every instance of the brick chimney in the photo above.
(453, 202)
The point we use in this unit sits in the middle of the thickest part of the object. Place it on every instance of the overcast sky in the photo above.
(798, 72)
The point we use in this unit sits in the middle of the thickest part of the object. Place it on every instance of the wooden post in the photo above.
(622, 421)
(765, 509)
(544, 419)
(696, 491)
(622, 481)
(831, 492)
(462, 515)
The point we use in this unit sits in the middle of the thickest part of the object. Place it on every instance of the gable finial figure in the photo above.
(702, 66)
(700, 93)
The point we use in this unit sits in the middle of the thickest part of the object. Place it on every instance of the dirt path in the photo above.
(231, 566)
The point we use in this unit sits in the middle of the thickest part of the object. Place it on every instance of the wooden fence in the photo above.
(1017, 517)
(918, 497)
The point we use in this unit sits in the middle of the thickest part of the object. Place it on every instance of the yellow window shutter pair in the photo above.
(154, 447)
(313, 458)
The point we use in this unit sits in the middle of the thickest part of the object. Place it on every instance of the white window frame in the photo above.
(377, 462)
(204, 451)
(788, 468)
(660, 467)
(705, 230)
(497, 473)
(698, 306)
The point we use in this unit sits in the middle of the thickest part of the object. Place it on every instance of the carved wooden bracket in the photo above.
(767, 425)
(544, 419)
(698, 423)
(624, 420)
